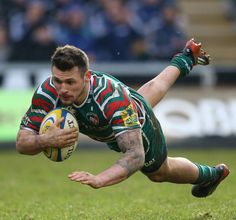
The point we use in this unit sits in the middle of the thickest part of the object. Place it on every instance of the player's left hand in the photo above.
(85, 178)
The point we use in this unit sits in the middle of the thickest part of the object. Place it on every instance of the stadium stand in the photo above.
(208, 21)
(147, 30)
(107, 30)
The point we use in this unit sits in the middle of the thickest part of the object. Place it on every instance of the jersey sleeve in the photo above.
(43, 101)
(116, 103)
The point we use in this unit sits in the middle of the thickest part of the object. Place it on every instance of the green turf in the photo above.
(34, 188)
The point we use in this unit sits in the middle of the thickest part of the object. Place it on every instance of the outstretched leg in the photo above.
(175, 170)
(182, 170)
(154, 90)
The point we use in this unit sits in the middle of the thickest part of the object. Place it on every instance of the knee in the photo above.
(161, 175)
(158, 177)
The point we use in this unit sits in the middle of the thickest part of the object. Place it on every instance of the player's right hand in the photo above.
(193, 50)
(57, 137)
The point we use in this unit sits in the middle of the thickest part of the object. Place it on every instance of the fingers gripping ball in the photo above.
(54, 153)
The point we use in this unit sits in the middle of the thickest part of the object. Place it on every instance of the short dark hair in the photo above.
(67, 57)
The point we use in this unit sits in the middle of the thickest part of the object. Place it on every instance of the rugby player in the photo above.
(109, 111)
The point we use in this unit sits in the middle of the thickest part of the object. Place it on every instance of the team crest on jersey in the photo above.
(129, 116)
(93, 118)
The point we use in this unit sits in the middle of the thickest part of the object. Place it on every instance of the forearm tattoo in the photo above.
(131, 145)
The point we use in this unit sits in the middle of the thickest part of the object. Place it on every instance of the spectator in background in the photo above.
(23, 29)
(17, 6)
(4, 44)
(73, 28)
(38, 46)
(41, 44)
(58, 8)
(9, 8)
(156, 20)
(113, 32)
(139, 50)
(168, 39)
(23, 22)
(146, 15)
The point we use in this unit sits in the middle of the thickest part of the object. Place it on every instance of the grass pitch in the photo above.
(34, 188)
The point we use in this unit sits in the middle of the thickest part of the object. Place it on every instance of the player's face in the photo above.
(70, 85)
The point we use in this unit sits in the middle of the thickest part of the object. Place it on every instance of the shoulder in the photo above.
(45, 94)
(106, 87)
(47, 87)
(101, 80)
(97, 75)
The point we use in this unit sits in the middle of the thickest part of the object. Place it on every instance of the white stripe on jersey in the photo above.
(102, 89)
(40, 91)
(118, 127)
(99, 84)
(41, 111)
(51, 82)
(117, 113)
(114, 95)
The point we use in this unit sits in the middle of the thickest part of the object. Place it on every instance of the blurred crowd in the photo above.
(230, 8)
(108, 30)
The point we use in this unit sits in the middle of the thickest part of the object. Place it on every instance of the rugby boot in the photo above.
(193, 50)
(206, 189)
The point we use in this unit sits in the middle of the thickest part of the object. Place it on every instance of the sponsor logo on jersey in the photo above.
(129, 116)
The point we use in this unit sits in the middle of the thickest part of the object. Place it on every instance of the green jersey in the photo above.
(109, 109)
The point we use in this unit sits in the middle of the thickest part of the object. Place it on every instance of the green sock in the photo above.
(206, 174)
(183, 63)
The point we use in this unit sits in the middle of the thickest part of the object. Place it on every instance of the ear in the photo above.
(87, 76)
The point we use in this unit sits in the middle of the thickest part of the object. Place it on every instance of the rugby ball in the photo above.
(53, 153)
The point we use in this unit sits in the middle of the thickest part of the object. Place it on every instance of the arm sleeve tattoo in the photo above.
(131, 145)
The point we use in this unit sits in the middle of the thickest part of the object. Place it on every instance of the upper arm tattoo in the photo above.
(130, 143)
